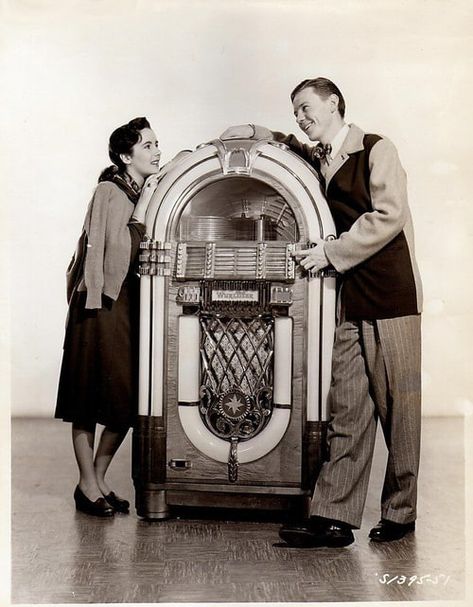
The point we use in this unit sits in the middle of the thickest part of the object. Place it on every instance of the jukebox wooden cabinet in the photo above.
(235, 339)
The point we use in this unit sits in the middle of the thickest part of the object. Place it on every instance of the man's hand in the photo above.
(313, 259)
(181, 155)
(247, 131)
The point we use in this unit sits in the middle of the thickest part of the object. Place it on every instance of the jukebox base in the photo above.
(157, 488)
(152, 504)
(157, 505)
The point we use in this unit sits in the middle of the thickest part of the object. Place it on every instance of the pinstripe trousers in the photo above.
(375, 374)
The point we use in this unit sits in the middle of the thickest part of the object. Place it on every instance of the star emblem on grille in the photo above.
(234, 404)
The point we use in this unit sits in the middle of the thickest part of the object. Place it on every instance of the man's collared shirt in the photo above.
(337, 142)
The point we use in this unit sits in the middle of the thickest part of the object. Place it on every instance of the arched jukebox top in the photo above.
(223, 301)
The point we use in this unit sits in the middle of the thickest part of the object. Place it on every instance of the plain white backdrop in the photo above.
(73, 71)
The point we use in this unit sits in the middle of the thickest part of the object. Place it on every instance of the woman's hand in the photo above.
(147, 192)
(150, 185)
(181, 155)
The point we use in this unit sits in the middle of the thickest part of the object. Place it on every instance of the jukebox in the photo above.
(235, 338)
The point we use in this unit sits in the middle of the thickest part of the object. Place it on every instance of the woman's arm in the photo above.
(95, 226)
(139, 214)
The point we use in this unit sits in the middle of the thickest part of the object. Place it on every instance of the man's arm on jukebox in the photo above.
(372, 230)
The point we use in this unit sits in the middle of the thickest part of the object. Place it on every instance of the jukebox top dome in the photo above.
(238, 208)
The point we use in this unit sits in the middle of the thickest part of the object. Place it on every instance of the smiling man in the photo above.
(376, 355)
(319, 114)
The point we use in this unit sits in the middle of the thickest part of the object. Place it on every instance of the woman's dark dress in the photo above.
(99, 373)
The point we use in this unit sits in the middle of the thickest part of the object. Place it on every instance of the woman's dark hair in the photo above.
(323, 87)
(122, 141)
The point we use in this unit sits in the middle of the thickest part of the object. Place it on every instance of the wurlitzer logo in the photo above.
(234, 295)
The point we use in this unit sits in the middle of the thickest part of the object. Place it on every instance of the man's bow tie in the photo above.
(322, 150)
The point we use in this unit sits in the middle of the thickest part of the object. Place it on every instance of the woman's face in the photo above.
(144, 158)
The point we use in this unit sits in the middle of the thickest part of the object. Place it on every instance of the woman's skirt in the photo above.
(99, 374)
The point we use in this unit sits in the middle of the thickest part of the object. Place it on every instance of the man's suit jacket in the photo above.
(365, 187)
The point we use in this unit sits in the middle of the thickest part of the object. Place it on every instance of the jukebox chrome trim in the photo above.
(218, 448)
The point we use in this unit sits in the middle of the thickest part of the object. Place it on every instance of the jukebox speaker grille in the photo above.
(236, 355)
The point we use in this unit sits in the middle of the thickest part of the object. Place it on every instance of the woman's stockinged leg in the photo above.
(109, 443)
(83, 443)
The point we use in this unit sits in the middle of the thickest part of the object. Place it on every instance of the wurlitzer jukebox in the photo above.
(235, 338)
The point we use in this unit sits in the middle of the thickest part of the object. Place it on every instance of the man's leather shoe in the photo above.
(316, 534)
(98, 508)
(387, 531)
(118, 503)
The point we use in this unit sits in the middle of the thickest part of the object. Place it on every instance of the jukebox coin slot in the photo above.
(180, 464)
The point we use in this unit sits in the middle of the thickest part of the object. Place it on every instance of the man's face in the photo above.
(314, 115)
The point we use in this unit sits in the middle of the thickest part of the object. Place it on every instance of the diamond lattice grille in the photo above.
(237, 352)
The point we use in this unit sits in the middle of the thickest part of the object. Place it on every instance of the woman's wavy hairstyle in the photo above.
(122, 141)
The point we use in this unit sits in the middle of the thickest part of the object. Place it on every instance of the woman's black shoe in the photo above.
(98, 508)
(119, 504)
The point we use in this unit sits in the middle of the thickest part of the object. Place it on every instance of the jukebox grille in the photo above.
(251, 260)
(195, 261)
(236, 356)
(236, 352)
(232, 262)
(275, 259)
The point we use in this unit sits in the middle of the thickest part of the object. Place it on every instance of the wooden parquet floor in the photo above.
(62, 556)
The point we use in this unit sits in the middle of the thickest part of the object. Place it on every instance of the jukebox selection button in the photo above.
(188, 295)
(281, 296)
(234, 405)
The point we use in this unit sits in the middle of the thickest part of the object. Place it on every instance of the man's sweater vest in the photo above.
(383, 285)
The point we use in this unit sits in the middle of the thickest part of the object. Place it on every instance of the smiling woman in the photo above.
(98, 382)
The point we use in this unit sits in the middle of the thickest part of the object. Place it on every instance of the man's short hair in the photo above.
(323, 87)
